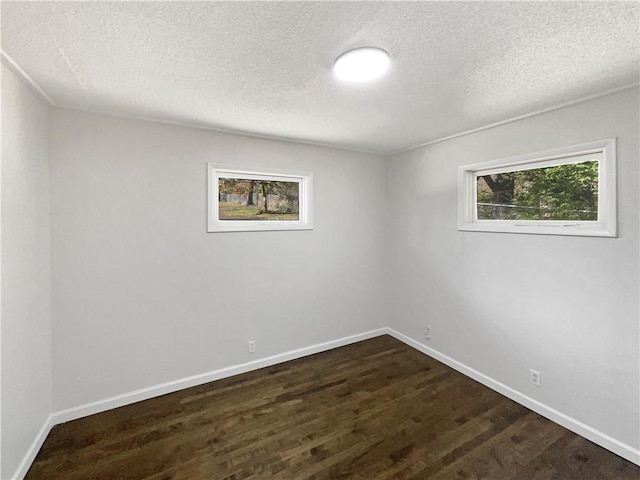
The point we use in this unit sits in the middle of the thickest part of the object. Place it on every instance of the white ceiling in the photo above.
(264, 68)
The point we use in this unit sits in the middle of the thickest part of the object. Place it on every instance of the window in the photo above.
(242, 199)
(567, 191)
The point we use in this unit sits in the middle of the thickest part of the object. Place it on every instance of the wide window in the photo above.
(243, 199)
(568, 191)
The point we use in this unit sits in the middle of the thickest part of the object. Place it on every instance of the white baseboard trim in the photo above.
(625, 451)
(176, 385)
(605, 441)
(34, 448)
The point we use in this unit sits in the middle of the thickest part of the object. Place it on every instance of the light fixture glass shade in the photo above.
(361, 64)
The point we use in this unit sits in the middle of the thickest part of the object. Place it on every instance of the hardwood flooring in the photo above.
(369, 411)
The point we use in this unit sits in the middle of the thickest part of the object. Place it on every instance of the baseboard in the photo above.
(625, 451)
(34, 448)
(176, 385)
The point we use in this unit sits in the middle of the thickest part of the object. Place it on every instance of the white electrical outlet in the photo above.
(252, 346)
(535, 377)
(427, 332)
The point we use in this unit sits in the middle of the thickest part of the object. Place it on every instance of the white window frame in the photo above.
(605, 226)
(217, 171)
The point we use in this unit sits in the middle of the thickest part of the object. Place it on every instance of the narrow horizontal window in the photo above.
(241, 199)
(560, 192)
(266, 199)
(569, 191)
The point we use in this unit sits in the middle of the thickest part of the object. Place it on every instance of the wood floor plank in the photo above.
(374, 410)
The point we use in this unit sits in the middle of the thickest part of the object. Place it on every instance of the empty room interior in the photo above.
(320, 240)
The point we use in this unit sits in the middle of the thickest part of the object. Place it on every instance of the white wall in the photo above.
(26, 272)
(505, 303)
(143, 295)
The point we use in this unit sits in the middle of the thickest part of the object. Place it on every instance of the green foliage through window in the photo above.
(561, 192)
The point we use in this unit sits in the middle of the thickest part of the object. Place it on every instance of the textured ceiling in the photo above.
(264, 68)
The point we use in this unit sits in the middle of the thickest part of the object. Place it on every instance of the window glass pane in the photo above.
(560, 192)
(263, 200)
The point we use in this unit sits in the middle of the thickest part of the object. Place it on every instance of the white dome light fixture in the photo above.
(361, 64)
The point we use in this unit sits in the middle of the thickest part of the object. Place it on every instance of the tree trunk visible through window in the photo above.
(501, 186)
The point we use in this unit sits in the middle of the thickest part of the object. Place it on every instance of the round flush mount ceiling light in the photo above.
(361, 64)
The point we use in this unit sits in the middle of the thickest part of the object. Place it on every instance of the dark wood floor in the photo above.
(373, 410)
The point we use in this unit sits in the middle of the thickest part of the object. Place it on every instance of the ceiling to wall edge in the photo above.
(10, 63)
